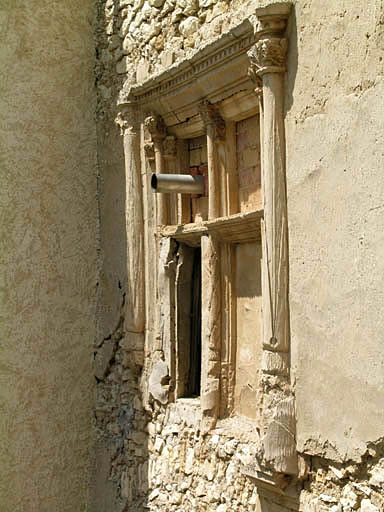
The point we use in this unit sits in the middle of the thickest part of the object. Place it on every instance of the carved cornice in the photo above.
(126, 118)
(211, 117)
(175, 94)
(215, 54)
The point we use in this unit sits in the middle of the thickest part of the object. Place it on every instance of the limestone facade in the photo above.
(217, 88)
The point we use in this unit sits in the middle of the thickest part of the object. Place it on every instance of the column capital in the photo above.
(155, 126)
(211, 117)
(268, 55)
(126, 117)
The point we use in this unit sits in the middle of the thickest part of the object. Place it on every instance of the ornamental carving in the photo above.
(149, 150)
(155, 126)
(267, 56)
(211, 116)
(126, 118)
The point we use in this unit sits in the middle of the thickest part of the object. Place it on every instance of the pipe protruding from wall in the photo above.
(177, 184)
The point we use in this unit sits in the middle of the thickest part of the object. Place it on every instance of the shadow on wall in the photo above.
(292, 61)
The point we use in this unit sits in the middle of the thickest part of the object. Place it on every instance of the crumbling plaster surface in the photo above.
(335, 157)
(49, 261)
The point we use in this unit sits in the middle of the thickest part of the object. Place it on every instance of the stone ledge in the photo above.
(240, 227)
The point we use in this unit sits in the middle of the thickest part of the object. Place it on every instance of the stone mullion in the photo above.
(215, 130)
(211, 331)
(183, 200)
(156, 128)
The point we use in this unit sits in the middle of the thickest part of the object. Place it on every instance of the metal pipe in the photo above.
(178, 183)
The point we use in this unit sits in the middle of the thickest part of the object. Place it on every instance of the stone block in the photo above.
(142, 71)
(368, 506)
(189, 26)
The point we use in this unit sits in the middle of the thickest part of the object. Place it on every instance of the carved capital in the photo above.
(267, 56)
(126, 118)
(211, 117)
(155, 126)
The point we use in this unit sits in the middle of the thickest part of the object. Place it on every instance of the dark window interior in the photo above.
(188, 321)
(193, 382)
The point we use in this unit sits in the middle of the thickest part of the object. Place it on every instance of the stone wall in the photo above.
(154, 457)
(48, 253)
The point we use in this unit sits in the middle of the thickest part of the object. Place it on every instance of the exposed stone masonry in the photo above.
(137, 38)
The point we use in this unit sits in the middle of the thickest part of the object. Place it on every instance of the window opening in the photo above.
(193, 387)
(188, 321)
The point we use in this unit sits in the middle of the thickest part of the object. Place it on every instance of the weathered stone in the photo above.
(189, 461)
(189, 26)
(159, 444)
(377, 477)
(367, 506)
(142, 71)
(177, 15)
(158, 381)
(206, 3)
(188, 7)
(156, 3)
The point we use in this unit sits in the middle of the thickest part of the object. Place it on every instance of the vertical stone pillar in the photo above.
(183, 200)
(268, 63)
(267, 58)
(134, 299)
(170, 158)
(215, 127)
(156, 128)
(211, 331)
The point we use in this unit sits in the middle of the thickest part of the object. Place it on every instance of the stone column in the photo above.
(215, 127)
(210, 331)
(134, 298)
(267, 59)
(156, 127)
(170, 165)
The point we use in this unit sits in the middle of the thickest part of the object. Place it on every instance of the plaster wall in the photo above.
(334, 126)
(48, 228)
